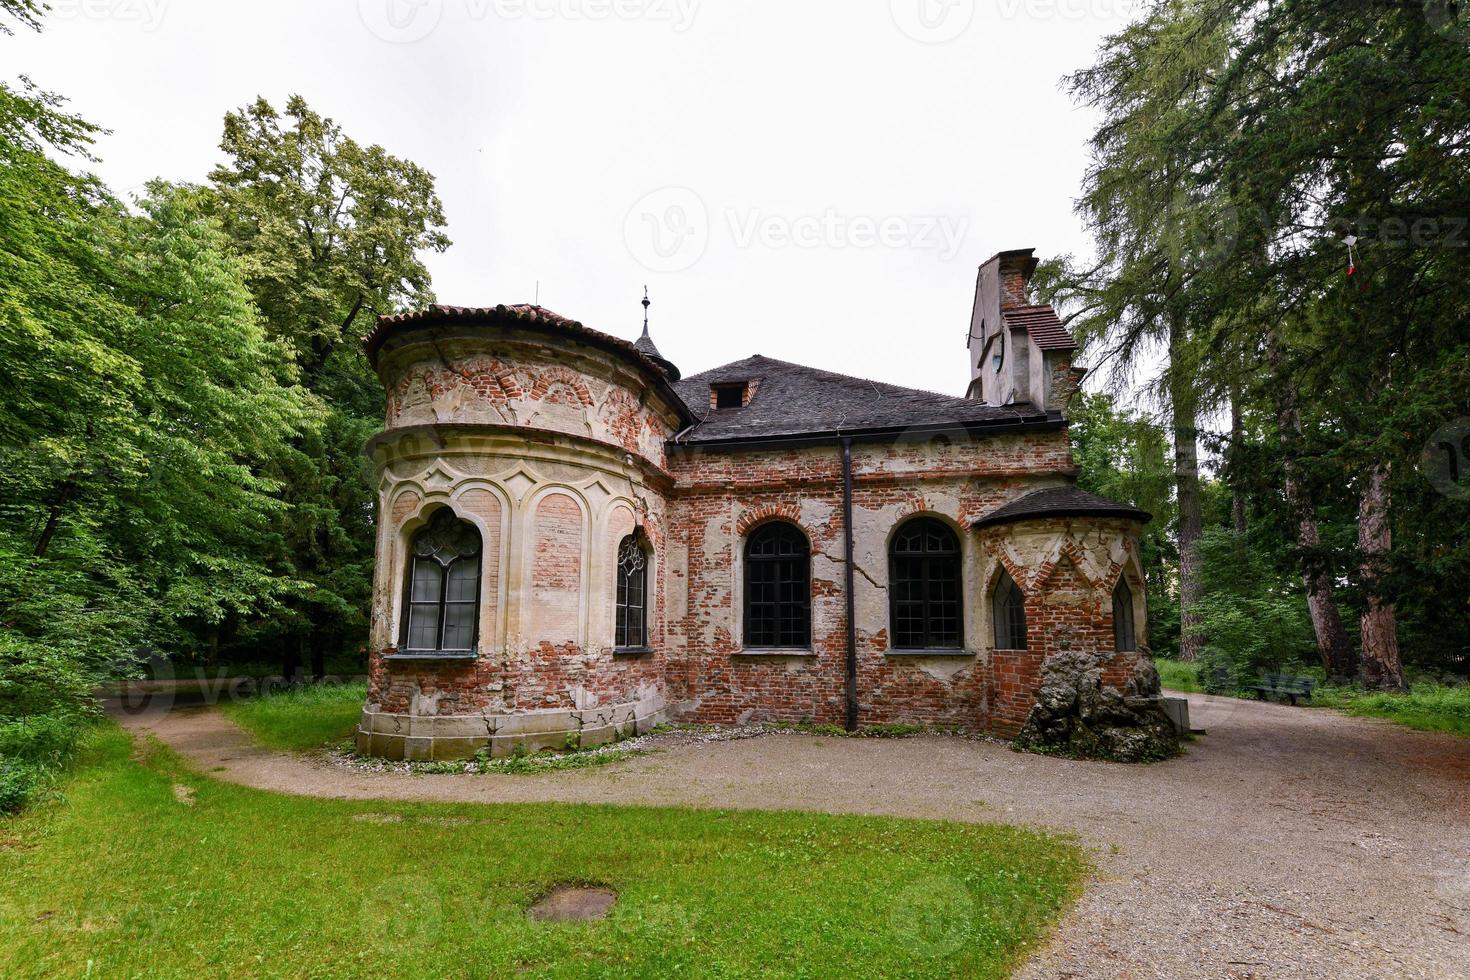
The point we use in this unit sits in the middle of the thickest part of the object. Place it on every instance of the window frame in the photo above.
(1006, 600)
(620, 595)
(443, 602)
(926, 580)
(800, 640)
(1125, 627)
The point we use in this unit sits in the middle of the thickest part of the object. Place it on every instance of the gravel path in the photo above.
(1286, 843)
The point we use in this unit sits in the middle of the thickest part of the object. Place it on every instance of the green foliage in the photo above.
(144, 402)
(226, 883)
(1124, 455)
(1253, 610)
(1238, 146)
(329, 234)
(302, 717)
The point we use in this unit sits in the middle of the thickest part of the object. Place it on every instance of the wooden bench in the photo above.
(1285, 685)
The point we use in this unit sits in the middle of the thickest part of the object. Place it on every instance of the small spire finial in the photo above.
(646, 304)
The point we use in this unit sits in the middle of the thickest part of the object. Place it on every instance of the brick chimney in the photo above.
(1000, 371)
(1016, 269)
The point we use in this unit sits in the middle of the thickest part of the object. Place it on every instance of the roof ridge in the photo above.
(838, 375)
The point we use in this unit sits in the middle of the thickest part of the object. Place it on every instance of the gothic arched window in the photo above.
(632, 622)
(924, 587)
(778, 596)
(1124, 636)
(1008, 608)
(443, 587)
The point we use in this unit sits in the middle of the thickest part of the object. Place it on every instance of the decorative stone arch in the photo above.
(620, 517)
(487, 506)
(1065, 550)
(541, 582)
(399, 544)
(1004, 563)
(1131, 570)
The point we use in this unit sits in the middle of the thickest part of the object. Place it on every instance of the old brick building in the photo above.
(575, 542)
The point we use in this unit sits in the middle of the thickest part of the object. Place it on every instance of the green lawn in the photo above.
(301, 718)
(145, 868)
(1428, 706)
(1176, 676)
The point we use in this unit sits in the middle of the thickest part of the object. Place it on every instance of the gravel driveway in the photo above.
(1286, 843)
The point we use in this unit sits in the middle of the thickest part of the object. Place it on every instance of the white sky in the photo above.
(822, 177)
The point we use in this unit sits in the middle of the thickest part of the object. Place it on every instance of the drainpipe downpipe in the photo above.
(852, 696)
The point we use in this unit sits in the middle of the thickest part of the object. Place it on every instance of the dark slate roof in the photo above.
(793, 401)
(1061, 502)
(527, 316)
(645, 346)
(1043, 324)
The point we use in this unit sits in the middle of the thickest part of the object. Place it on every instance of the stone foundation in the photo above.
(421, 738)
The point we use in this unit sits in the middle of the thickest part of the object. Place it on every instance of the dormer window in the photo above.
(730, 395)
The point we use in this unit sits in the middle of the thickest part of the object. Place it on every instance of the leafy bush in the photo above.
(19, 782)
(1252, 611)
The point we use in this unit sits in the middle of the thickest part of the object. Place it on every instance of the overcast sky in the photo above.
(813, 180)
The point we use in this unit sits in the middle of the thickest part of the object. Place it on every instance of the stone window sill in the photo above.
(430, 657)
(775, 652)
(946, 652)
(632, 651)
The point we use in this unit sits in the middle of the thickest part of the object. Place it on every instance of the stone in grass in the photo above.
(574, 903)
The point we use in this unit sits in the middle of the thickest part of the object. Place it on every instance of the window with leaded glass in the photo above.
(924, 587)
(443, 587)
(632, 600)
(778, 595)
(1008, 609)
(1123, 632)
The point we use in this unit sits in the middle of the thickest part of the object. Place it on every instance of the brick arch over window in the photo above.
(778, 587)
(767, 512)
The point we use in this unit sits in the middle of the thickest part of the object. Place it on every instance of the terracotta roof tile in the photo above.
(1043, 324)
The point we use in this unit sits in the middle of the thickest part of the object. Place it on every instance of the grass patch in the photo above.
(1178, 676)
(301, 718)
(123, 878)
(1427, 707)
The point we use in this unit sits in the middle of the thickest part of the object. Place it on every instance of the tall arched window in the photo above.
(924, 587)
(632, 623)
(443, 587)
(1124, 637)
(1008, 608)
(778, 595)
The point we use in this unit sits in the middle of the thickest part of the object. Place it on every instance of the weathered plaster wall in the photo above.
(554, 465)
(719, 498)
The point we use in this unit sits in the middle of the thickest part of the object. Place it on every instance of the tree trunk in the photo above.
(1381, 668)
(290, 659)
(318, 655)
(53, 516)
(1332, 640)
(1237, 440)
(1186, 487)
